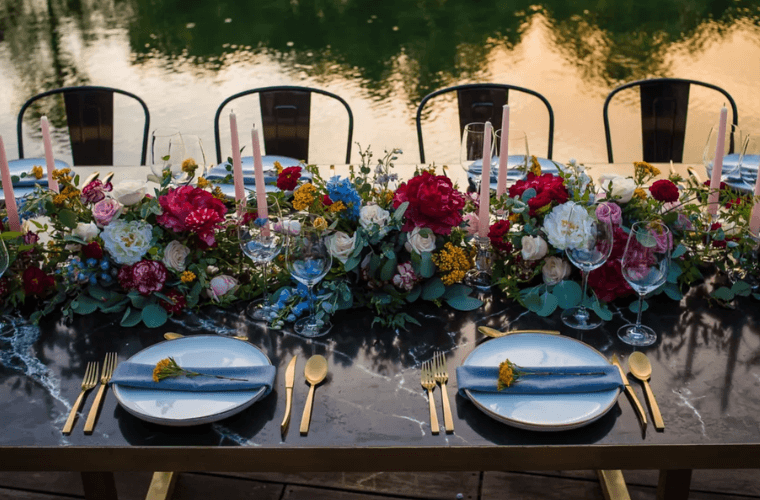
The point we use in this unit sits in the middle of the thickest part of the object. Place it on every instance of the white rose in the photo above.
(175, 254)
(418, 243)
(221, 285)
(555, 270)
(373, 214)
(340, 245)
(42, 232)
(568, 228)
(129, 192)
(127, 242)
(87, 232)
(617, 187)
(533, 247)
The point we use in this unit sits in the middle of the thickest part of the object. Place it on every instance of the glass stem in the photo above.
(638, 316)
(312, 316)
(584, 279)
(265, 292)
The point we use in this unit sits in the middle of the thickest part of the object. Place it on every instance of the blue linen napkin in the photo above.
(563, 379)
(140, 375)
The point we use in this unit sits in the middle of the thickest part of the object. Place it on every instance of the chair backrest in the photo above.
(480, 102)
(89, 115)
(664, 107)
(285, 115)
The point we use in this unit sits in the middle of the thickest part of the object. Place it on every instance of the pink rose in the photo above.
(614, 216)
(105, 211)
(473, 222)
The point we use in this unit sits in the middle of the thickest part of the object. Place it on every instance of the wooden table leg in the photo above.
(674, 484)
(161, 486)
(99, 486)
(613, 485)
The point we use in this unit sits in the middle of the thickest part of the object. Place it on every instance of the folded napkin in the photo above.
(562, 379)
(140, 375)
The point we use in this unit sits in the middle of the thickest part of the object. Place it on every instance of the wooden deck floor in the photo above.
(566, 485)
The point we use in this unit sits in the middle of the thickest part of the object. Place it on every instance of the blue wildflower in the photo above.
(343, 190)
(260, 221)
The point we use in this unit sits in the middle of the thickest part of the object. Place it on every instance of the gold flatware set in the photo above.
(640, 368)
(435, 372)
(89, 382)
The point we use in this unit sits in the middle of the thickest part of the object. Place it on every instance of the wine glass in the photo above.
(588, 245)
(194, 155)
(5, 327)
(308, 261)
(167, 152)
(749, 160)
(471, 153)
(732, 145)
(645, 267)
(518, 156)
(261, 243)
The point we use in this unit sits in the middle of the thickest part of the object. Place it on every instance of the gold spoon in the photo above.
(314, 372)
(172, 336)
(641, 368)
(494, 333)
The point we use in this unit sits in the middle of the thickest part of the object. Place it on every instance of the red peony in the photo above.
(177, 304)
(549, 188)
(497, 233)
(326, 201)
(665, 191)
(607, 281)
(288, 178)
(36, 282)
(191, 209)
(92, 250)
(146, 276)
(433, 203)
(204, 223)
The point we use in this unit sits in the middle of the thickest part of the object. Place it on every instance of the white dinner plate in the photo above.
(183, 408)
(541, 412)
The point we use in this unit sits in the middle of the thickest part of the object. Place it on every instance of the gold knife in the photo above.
(290, 377)
(493, 332)
(629, 390)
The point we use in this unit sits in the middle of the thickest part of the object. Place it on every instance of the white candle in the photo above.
(10, 201)
(237, 166)
(484, 215)
(717, 169)
(754, 219)
(261, 192)
(49, 159)
(501, 186)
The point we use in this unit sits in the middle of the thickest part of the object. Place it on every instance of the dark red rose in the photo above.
(607, 281)
(549, 188)
(95, 191)
(146, 276)
(204, 223)
(664, 190)
(721, 187)
(36, 282)
(288, 178)
(92, 250)
(178, 204)
(177, 304)
(326, 201)
(719, 243)
(433, 203)
(736, 202)
(497, 234)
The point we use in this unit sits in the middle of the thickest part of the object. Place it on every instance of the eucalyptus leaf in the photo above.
(457, 290)
(568, 294)
(388, 269)
(433, 289)
(674, 272)
(602, 311)
(414, 294)
(723, 293)
(672, 291)
(464, 303)
(679, 251)
(84, 304)
(528, 194)
(634, 306)
(741, 288)
(427, 268)
(549, 304)
(154, 315)
(646, 239)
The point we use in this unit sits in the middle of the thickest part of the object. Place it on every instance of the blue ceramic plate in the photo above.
(270, 175)
(513, 174)
(541, 412)
(179, 408)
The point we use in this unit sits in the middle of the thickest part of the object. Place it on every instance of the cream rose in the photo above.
(415, 242)
(555, 270)
(340, 245)
(617, 187)
(175, 254)
(533, 247)
(568, 228)
(87, 232)
(129, 192)
(42, 232)
(373, 214)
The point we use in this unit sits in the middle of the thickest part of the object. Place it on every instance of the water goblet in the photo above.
(645, 265)
(733, 143)
(261, 243)
(749, 159)
(588, 245)
(194, 155)
(167, 152)
(518, 156)
(308, 261)
(471, 153)
(5, 327)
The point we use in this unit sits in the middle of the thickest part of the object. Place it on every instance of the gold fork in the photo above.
(428, 382)
(89, 382)
(442, 376)
(108, 366)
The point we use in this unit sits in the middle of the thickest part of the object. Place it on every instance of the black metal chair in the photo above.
(89, 115)
(480, 102)
(664, 106)
(285, 114)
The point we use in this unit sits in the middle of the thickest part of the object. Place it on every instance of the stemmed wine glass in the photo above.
(734, 142)
(471, 153)
(167, 152)
(645, 267)
(194, 154)
(5, 327)
(308, 261)
(518, 155)
(588, 245)
(261, 243)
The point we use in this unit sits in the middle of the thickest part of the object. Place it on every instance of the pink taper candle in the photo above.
(754, 219)
(10, 201)
(717, 169)
(49, 159)
(261, 190)
(484, 216)
(501, 186)
(237, 166)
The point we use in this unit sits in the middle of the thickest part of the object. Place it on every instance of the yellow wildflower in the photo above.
(278, 167)
(506, 374)
(336, 207)
(189, 166)
(454, 262)
(59, 199)
(70, 192)
(203, 183)
(37, 172)
(187, 277)
(168, 368)
(514, 218)
(535, 168)
(640, 194)
(161, 368)
(644, 168)
(218, 193)
(320, 223)
(303, 196)
(62, 175)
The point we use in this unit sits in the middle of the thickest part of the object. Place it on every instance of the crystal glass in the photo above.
(167, 152)
(471, 153)
(518, 156)
(5, 326)
(733, 144)
(749, 159)
(588, 239)
(645, 267)
(194, 154)
(261, 243)
(308, 261)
